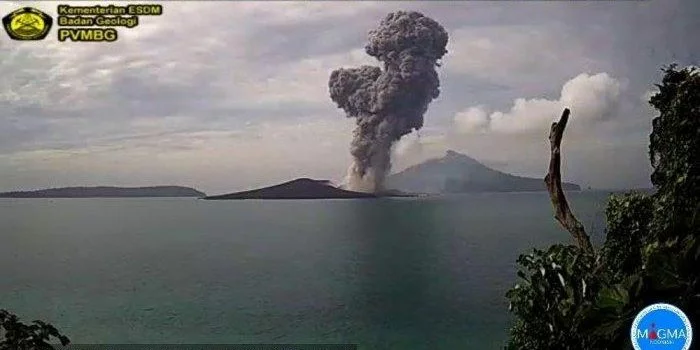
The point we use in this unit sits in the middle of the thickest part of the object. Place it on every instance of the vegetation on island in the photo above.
(577, 297)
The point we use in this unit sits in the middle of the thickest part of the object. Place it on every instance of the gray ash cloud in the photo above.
(389, 102)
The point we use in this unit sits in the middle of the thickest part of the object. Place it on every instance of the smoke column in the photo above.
(389, 102)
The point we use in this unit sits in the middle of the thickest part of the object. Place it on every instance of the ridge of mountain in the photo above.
(459, 173)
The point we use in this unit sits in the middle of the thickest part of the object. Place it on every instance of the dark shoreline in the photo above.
(303, 188)
(109, 192)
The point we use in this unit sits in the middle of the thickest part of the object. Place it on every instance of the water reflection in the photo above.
(399, 293)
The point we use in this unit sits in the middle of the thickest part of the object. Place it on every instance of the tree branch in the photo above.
(556, 193)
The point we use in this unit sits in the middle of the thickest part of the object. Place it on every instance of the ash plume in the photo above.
(389, 102)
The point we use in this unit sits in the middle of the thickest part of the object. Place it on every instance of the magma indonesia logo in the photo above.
(661, 326)
(27, 23)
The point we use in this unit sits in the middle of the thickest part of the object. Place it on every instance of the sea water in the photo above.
(403, 273)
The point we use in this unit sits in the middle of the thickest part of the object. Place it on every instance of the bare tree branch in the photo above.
(556, 193)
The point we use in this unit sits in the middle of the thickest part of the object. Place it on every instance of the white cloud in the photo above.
(472, 119)
(591, 98)
(417, 147)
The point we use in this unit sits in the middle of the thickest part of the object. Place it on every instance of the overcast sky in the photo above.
(223, 96)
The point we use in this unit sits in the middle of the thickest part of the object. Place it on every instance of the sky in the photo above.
(225, 96)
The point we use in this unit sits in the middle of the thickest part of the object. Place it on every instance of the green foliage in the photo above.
(556, 289)
(19, 336)
(674, 150)
(628, 218)
(669, 275)
(652, 248)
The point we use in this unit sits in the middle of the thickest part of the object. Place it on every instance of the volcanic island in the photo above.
(305, 188)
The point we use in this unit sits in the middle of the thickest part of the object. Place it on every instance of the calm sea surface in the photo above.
(428, 273)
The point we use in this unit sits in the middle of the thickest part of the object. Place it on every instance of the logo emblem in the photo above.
(661, 326)
(27, 24)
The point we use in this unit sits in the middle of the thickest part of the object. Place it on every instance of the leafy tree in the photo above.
(16, 335)
(555, 288)
(651, 252)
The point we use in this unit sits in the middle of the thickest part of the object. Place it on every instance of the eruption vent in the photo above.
(389, 102)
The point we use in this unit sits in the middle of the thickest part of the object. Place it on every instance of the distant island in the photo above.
(459, 173)
(453, 173)
(107, 192)
(304, 188)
